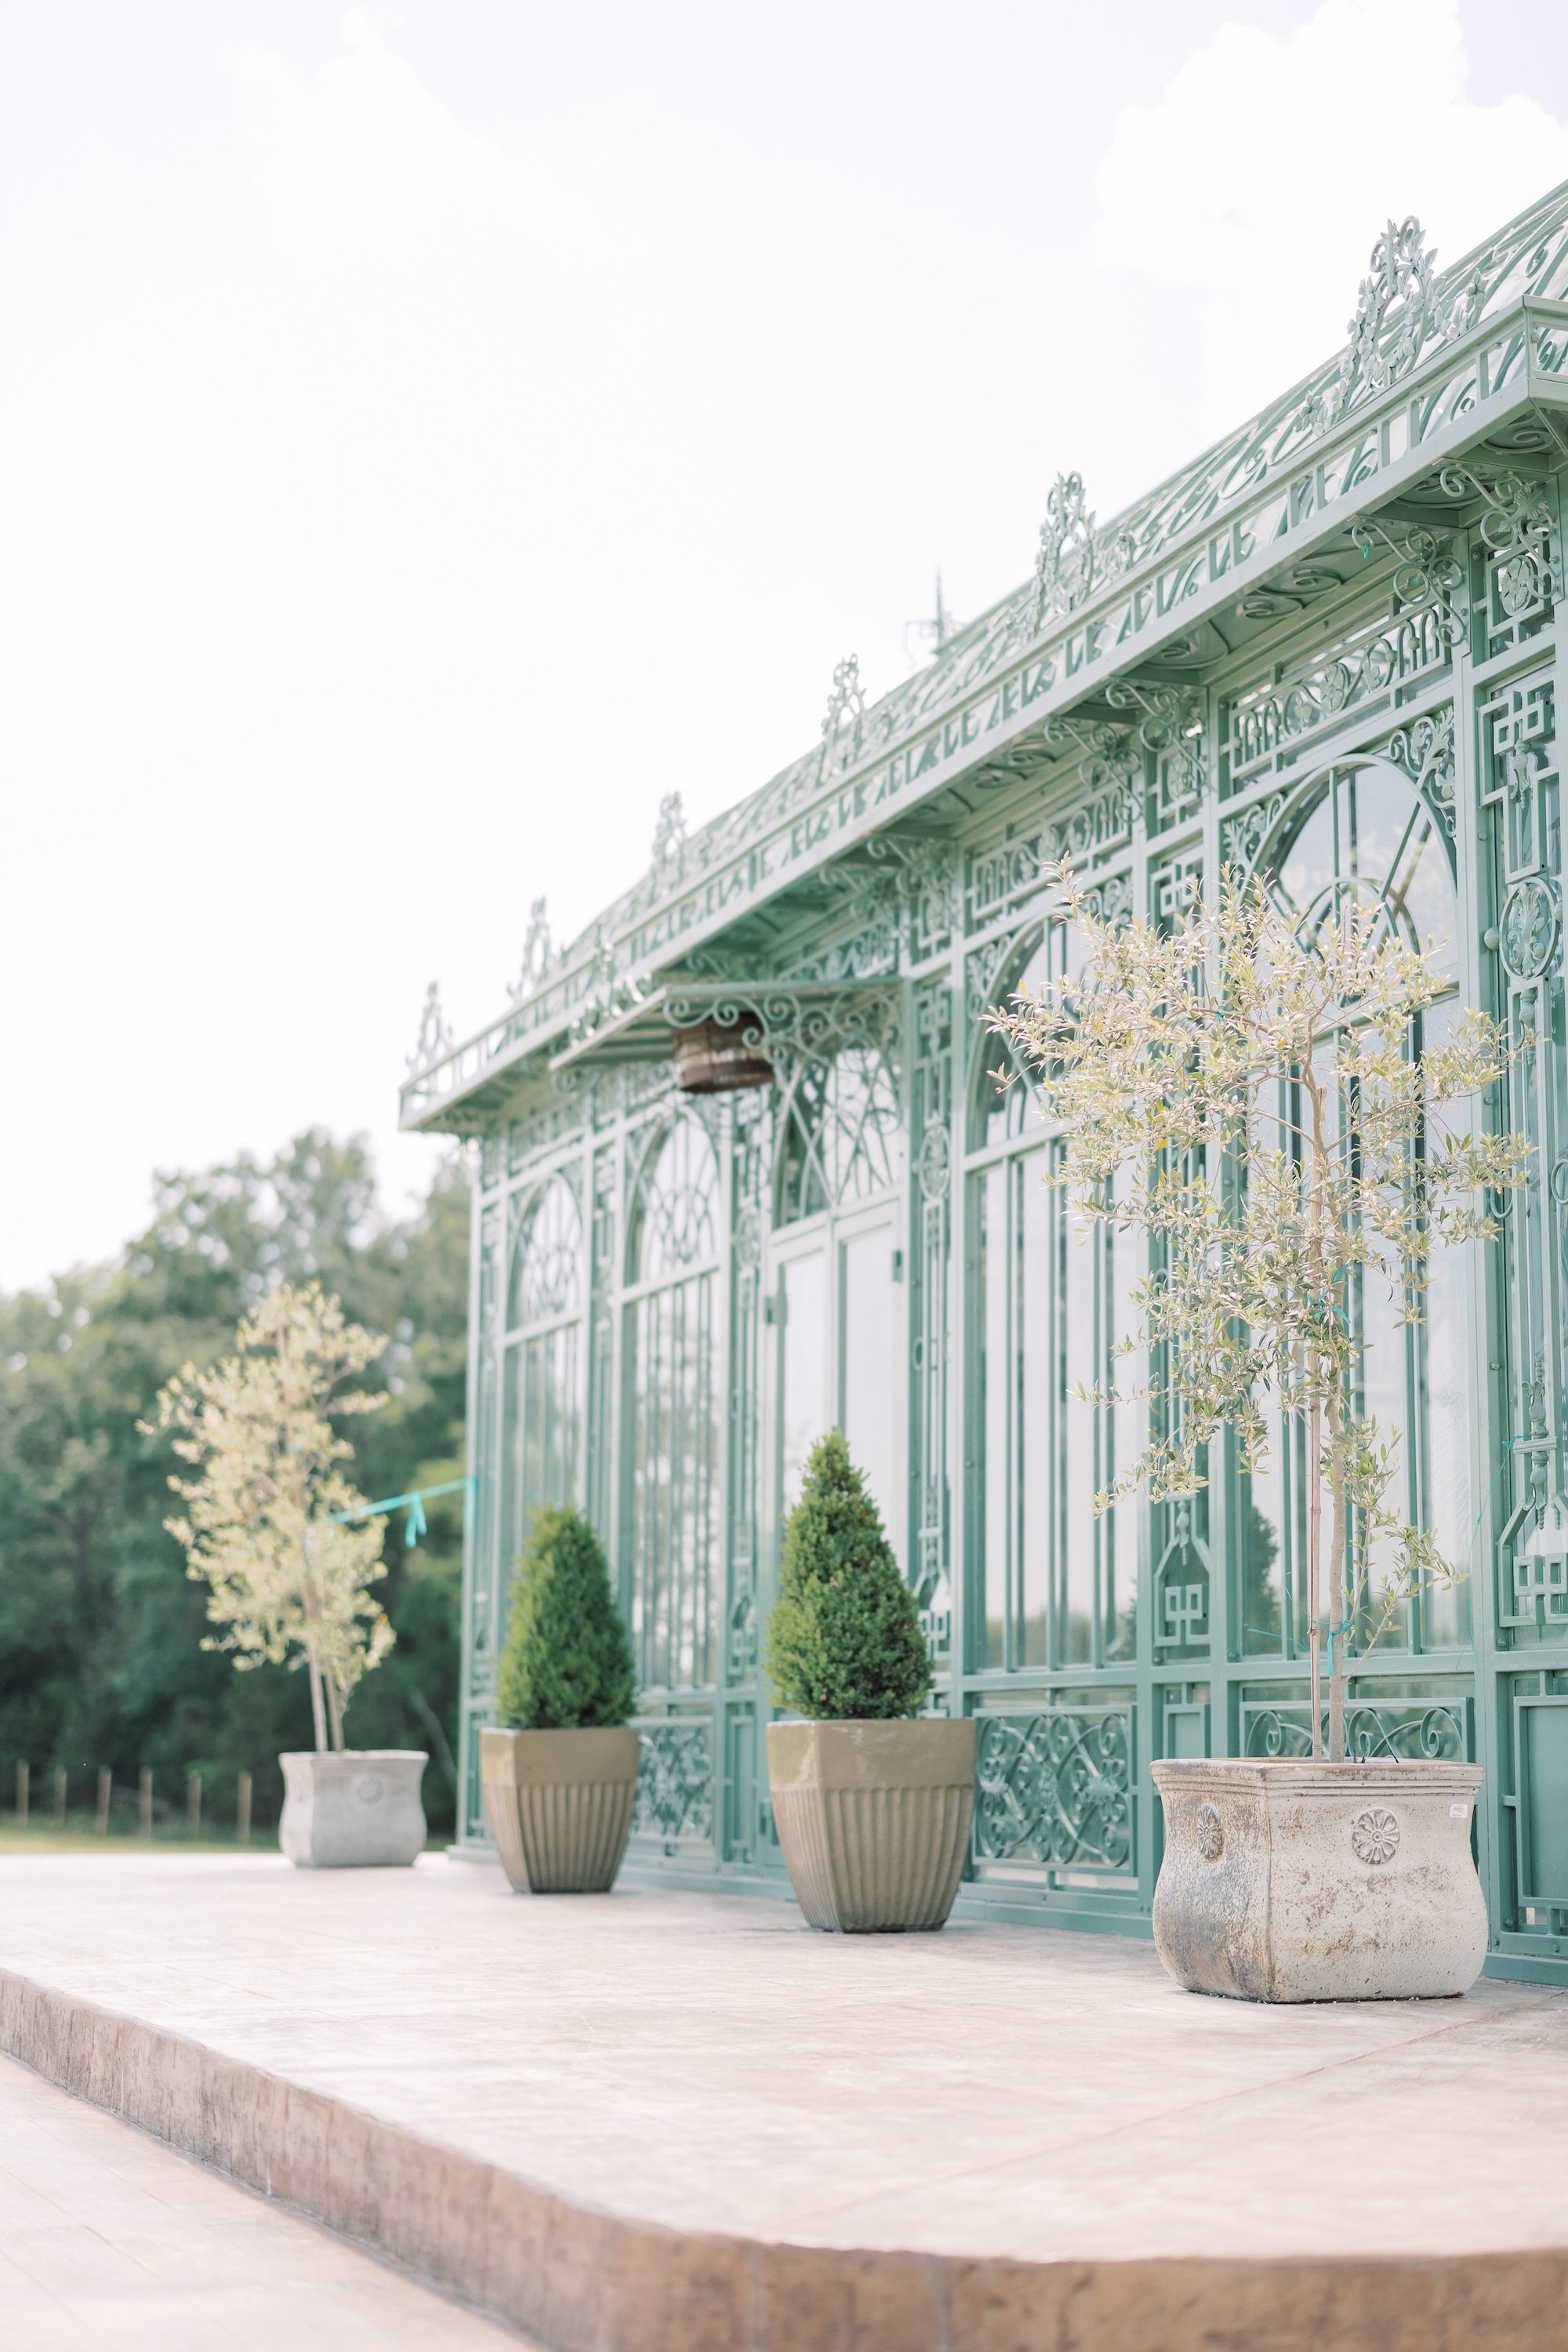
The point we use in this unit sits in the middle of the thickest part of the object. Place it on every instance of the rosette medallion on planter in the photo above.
(358, 1809)
(873, 1810)
(1294, 1880)
(559, 1781)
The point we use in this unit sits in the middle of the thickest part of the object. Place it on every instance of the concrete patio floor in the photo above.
(110, 2243)
(648, 2122)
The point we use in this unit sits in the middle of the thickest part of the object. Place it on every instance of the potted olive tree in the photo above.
(1259, 1101)
(275, 1531)
(873, 1809)
(560, 1776)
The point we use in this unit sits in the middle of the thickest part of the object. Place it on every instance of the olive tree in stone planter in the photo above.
(559, 1781)
(873, 1810)
(278, 1535)
(1262, 1101)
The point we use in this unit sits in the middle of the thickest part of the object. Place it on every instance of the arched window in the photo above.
(1363, 833)
(543, 1401)
(839, 1131)
(1054, 1585)
(672, 1346)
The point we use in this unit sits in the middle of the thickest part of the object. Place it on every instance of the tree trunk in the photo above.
(318, 1711)
(1314, 1571)
(335, 1707)
(1338, 1632)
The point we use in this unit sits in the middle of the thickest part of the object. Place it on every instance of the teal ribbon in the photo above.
(416, 1524)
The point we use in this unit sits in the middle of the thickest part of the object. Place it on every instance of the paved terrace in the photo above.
(650, 2122)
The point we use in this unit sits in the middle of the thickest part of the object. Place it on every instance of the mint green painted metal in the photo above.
(1326, 653)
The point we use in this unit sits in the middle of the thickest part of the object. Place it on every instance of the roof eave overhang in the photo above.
(1459, 396)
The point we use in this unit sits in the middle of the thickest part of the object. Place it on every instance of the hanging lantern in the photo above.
(715, 1058)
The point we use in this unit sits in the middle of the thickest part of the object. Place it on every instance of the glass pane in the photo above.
(992, 1405)
(1032, 1205)
(1077, 1322)
(872, 1397)
(804, 1414)
(1122, 1430)
(674, 1452)
(1385, 1389)
(1262, 1545)
(1451, 1503)
(541, 1433)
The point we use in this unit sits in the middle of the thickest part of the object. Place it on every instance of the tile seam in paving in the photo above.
(586, 2280)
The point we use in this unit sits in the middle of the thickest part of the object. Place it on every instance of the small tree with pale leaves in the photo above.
(1247, 1095)
(270, 1523)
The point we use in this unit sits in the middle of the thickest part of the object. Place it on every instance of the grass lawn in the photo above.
(44, 1835)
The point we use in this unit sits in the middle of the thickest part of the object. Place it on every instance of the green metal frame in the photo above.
(1366, 578)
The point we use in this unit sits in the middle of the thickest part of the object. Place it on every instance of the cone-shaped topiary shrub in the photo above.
(843, 1639)
(566, 1665)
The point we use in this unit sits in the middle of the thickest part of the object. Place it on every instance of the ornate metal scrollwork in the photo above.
(1424, 1732)
(675, 1781)
(1054, 1788)
(1529, 930)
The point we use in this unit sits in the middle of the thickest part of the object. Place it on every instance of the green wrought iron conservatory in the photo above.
(1324, 655)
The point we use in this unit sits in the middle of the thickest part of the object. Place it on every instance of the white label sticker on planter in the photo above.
(1458, 1812)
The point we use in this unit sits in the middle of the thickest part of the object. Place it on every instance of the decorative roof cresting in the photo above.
(435, 1038)
(1400, 310)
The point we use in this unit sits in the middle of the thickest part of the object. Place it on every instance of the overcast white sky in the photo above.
(435, 431)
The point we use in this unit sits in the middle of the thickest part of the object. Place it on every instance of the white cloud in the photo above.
(364, 158)
(1262, 175)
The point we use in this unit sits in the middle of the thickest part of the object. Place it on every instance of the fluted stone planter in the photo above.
(1287, 1880)
(873, 1819)
(358, 1810)
(560, 1805)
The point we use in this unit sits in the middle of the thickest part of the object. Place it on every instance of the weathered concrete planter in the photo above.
(560, 1805)
(873, 1819)
(356, 1810)
(1298, 1881)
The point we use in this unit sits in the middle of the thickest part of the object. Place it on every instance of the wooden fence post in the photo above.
(105, 1787)
(24, 1780)
(60, 1796)
(242, 1811)
(146, 1802)
(194, 1803)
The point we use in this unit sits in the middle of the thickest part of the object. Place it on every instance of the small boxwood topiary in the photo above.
(566, 1663)
(843, 1639)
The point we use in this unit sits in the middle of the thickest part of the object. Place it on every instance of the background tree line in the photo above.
(100, 1629)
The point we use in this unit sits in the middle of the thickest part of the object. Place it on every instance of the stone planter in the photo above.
(873, 1819)
(359, 1810)
(1297, 1881)
(560, 1805)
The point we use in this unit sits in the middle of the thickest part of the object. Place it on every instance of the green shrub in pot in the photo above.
(873, 1809)
(559, 1772)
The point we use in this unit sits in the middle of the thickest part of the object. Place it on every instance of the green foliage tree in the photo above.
(566, 1663)
(843, 1638)
(1257, 1099)
(100, 1630)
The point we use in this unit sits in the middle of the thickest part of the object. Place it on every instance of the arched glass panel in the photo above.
(675, 1223)
(1004, 1101)
(546, 1267)
(1367, 834)
(672, 1351)
(1364, 833)
(541, 1403)
(839, 1133)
